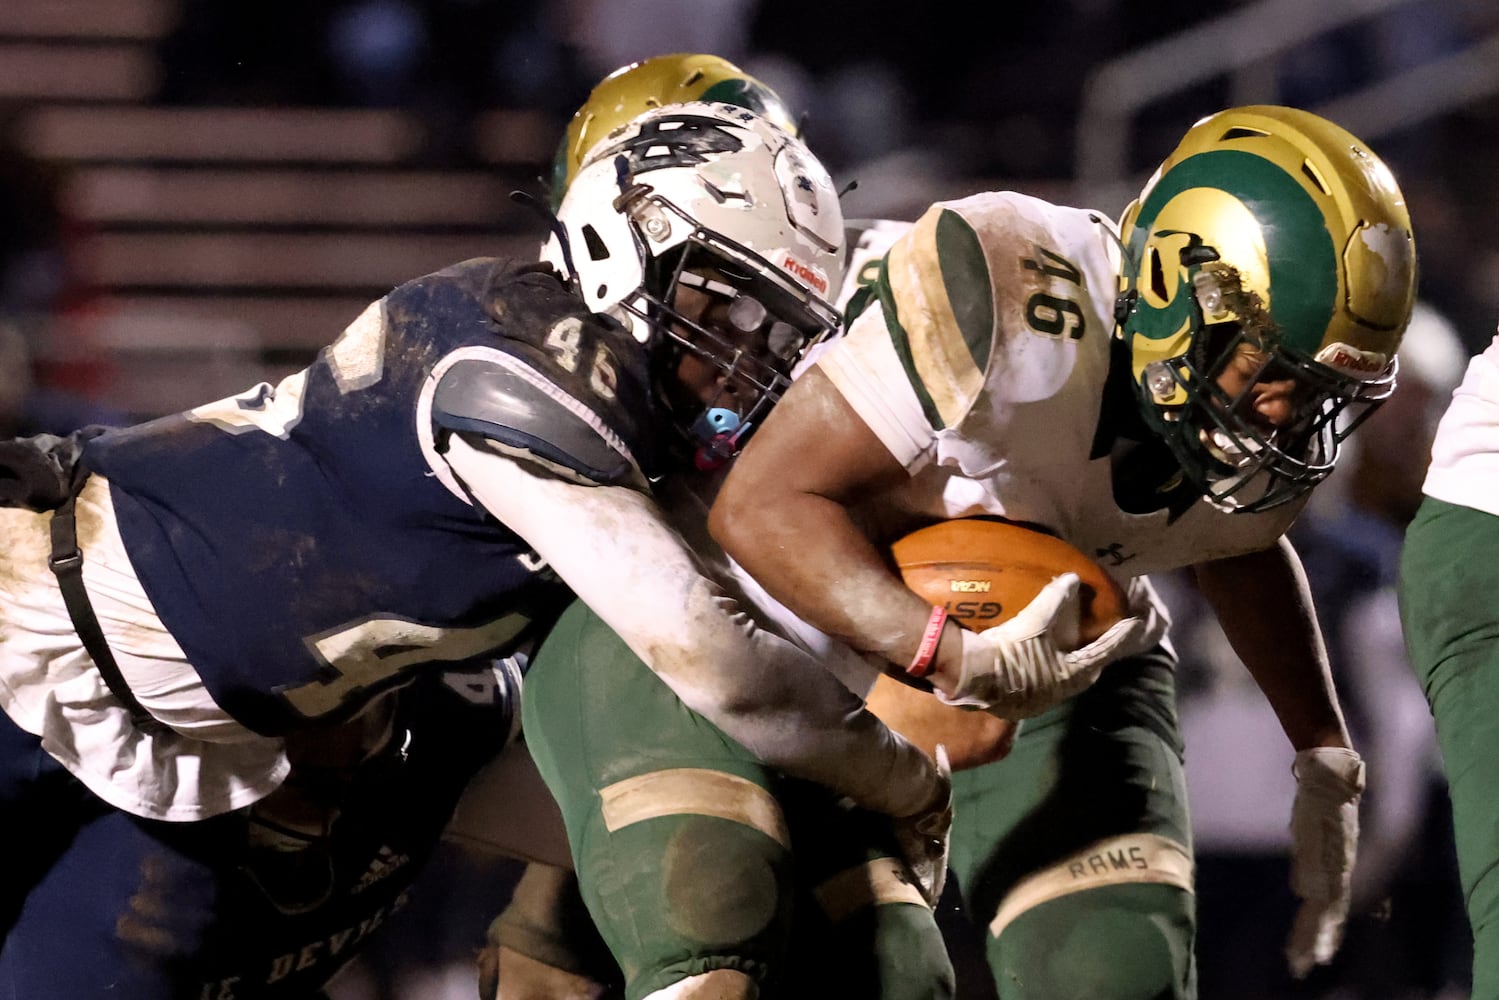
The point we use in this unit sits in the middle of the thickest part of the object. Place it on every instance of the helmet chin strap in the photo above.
(1124, 303)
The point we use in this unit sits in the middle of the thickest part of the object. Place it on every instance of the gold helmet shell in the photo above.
(632, 90)
(1282, 227)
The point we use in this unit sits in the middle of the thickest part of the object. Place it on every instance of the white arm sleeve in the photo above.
(613, 547)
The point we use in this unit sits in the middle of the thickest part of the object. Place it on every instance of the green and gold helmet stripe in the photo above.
(939, 307)
(1301, 258)
(1284, 230)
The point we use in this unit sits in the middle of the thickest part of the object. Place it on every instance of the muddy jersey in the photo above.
(986, 363)
(305, 543)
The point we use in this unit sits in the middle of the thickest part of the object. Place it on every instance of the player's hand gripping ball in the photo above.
(984, 571)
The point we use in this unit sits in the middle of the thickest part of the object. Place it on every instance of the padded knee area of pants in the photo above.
(682, 895)
(720, 881)
(1129, 942)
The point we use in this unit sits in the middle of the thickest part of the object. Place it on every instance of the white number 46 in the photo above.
(565, 341)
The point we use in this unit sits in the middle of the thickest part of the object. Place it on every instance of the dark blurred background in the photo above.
(197, 194)
(195, 189)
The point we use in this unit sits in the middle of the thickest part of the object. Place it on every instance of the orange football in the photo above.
(984, 571)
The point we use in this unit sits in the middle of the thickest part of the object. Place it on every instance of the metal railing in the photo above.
(1244, 46)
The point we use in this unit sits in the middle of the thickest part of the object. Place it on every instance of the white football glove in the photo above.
(1024, 666)
(923, 836)
(1324, 840)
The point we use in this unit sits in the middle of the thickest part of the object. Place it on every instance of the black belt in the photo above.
(66, 562)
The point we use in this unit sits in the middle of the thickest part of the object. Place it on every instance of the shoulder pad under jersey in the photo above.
(543, 379)
(521, 414)
(935, 293)
(868, 240)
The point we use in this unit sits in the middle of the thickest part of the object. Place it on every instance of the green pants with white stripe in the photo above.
(693, 856)
(1075, 850)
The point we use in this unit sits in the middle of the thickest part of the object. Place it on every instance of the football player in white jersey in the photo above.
(220, 583)
(1447, 611)
(1161, 396)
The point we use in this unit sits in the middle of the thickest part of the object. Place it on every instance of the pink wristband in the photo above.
(927, 651)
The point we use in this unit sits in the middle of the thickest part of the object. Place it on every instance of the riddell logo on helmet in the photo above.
(1353, 361)
(811, 275)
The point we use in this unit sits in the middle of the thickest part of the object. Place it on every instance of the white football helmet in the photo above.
(713, 197)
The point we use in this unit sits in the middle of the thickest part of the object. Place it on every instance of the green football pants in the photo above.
(693, 857)
(1075, 850)
(1450, 617)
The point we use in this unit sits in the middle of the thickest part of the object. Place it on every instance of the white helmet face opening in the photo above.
(744, 321)
(713, 207)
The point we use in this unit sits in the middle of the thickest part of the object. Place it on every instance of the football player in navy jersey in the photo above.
(266, 901)
(197, 606)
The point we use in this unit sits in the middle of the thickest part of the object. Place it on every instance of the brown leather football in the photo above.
(984, 571)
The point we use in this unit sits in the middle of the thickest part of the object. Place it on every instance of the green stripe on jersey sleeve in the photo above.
(937, 293)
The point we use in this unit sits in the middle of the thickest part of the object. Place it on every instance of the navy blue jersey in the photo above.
(295, 540)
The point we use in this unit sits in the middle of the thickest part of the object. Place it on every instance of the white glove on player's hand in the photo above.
(1024, 666)
(1324, 840)
(923, 836)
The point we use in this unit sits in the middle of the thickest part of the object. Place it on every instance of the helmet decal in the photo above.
(1300, 265)
(654, 83)
(1387, 255)
(672, 141)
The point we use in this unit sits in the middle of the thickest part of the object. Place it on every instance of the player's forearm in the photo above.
(1265, 607)
(810, 556)
(787, 710)
(765, 693)
(614, 549)
(783, 514)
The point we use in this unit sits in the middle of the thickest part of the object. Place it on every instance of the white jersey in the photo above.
(982, 367)
(1465, 455)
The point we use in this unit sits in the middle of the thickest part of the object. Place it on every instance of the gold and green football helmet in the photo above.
(632, 90)
(1273, 230)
